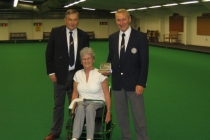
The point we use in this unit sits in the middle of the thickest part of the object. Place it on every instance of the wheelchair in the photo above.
(103, 130)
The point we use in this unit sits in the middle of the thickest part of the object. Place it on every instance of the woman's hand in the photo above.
(105, 73)
(108, 116)
(72, 113)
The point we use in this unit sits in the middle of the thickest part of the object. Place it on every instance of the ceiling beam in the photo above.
(207, 5)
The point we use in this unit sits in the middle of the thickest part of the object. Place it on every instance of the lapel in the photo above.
(63, 39)
(117, 45)
(79, 41)
(79, 37)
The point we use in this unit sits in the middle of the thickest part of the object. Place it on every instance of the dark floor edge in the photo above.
(192, 48)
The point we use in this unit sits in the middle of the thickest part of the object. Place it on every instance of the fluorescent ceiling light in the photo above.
(88, 8)
(171, 4)
(15, 3)
(189, 2)
(157, 6)
(113, 12)
(205, 0)
(76, 2)
(131, 9)
(26, 1)
(68, 5)
(142, 8)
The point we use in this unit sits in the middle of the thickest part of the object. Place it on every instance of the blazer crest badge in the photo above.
(134, 50)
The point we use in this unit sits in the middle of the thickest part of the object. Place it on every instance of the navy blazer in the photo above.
(57, 59)
(134, 69)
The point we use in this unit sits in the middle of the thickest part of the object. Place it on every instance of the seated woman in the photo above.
(89, 84)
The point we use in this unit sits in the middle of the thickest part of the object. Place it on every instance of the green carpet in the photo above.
(176, 98)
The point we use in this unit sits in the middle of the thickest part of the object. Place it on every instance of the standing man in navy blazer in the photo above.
(129, 75)
(61, 67)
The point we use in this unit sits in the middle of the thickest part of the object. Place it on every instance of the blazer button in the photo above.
(121, 73)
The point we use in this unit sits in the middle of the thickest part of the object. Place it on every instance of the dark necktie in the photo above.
(122, 48)
(71, 50)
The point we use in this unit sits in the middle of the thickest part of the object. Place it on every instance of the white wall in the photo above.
(21, 26)
(4, 33)
(101, 31)
(188, 36)
(195, 39)
(144, 21)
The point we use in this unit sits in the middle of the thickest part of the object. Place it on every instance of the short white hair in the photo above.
(87, 50)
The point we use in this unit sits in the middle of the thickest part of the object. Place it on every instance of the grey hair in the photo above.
(71, 11)
(122, 11)
(85, 51)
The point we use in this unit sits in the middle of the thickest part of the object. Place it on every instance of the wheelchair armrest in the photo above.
(74, 101)
(93, 100)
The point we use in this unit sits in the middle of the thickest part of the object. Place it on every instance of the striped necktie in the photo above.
(71, 50)
(122, 48)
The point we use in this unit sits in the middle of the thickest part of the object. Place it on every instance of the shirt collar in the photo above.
(127, 32)
(74, 31)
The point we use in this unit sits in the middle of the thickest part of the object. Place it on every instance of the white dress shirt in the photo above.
(126, 37)
(74, 35)
(91, 89)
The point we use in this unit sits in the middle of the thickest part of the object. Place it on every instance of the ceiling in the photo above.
(44, 6)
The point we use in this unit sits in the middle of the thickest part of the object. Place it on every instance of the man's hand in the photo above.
(139, 90)
(53, 78)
